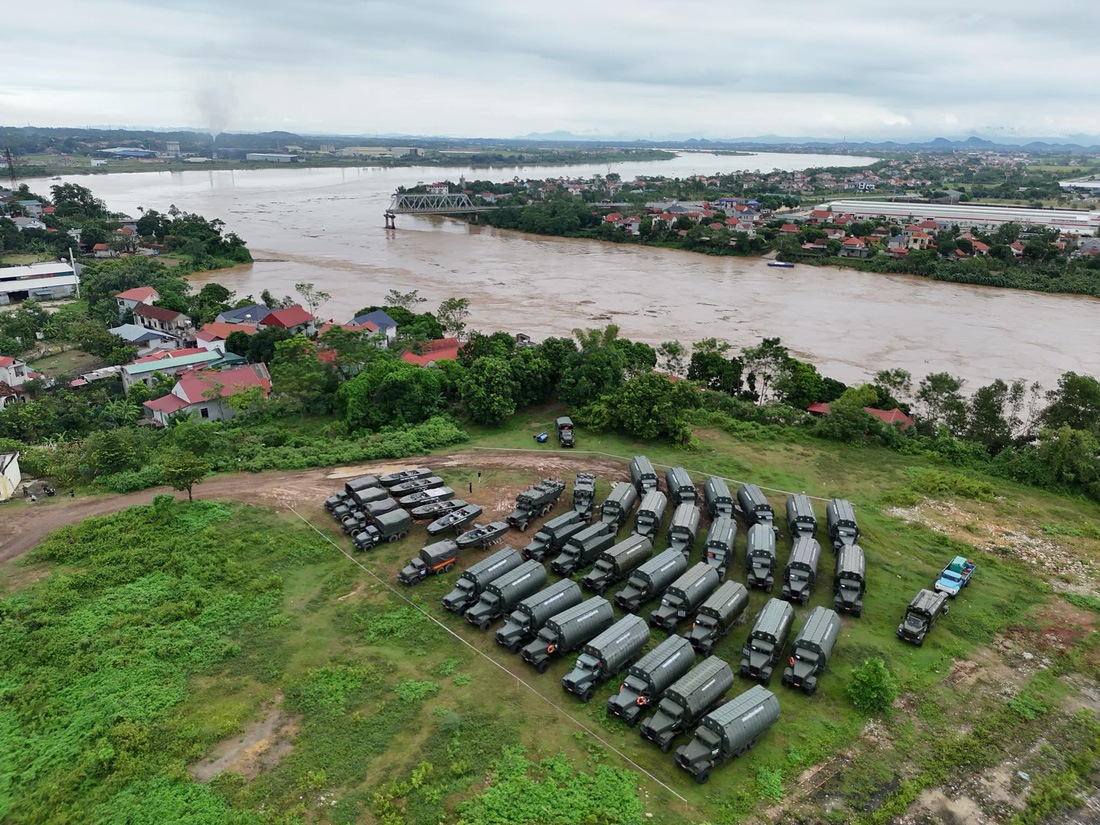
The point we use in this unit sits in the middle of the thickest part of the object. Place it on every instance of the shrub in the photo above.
(130, 481)
(413, 691)
(770, 781)
(1084, 602)
(872, 688)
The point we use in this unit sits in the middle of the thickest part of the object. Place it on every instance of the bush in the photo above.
(872, 688)
(130, 481)
(413, 691)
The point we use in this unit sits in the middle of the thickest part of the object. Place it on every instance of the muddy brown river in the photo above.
(325, 226)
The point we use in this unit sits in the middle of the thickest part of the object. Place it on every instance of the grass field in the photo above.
(69, 362)
(320, 695)
(22, 258)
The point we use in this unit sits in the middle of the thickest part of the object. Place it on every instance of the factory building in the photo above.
(1067, 221)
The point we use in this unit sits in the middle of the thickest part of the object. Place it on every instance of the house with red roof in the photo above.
(894, 416)
(920, 240)
(854, 248)
(790, 229)
(295, 318)
(202, 393)
(980, 248)
(162, 319)
(443, 349)
(138, 295)
(102, 250)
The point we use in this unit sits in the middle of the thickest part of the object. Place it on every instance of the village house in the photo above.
(385, 324)
(145, 339)
(170, 363)
(294, 319)
(161, 319)
(13, 374)
(131, 298)
(920, 240)
(854, 248)
(443, 349)
(202, 394)
(252, 314)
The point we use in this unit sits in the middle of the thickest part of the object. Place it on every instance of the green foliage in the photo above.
(392, 392)
(462, 678)
(488, 390)
(448, 666)
(183, 470)
(324, 692)
(942, 484)
(299, 377)
(130, 481)
(650, 406)
(872, 689)
(769, 782)
(1085, 602)
(412, 691)
(1027, 706)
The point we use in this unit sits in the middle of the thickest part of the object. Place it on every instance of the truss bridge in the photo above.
(452, 203)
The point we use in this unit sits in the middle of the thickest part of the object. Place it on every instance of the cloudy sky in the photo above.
(501, 68)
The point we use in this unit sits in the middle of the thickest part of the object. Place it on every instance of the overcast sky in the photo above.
(501, 68)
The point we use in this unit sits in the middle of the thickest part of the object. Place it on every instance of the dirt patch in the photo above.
(962, 810)
(358, 589)
(258, 748)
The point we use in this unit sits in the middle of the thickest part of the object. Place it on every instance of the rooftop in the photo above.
(139, 293)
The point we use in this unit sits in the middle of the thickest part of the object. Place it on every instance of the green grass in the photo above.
(22, 258)
(69, 362)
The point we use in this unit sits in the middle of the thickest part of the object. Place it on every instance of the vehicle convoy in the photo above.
(651, 579)
(390, 479)
(728, 731)
(648, 678)
(391, 527)
(801, 520)
(685, 702)
(553, 535)
(840, 518)
(538, 501)
(565, 432)
(504, 593)
(584, 494)
(651, 512)
(717, 615)
(811, 649)
(680, 487)
(684, 528)
(684, 595)
(433, 560)
(422, 497)
(531, 613)
(378, 508)
(416, 485)
(801, 570)
(437, 509)
(921, 616)
(350, 488)
(568, 631)
(454, 519)
(754, 506)
(471, 583)
(606, 655)
(760, 558)
(484, 535)
(582, 548)
(849, 580)
(718, 550)
(764, 646)
(955, 576)
(614, 563)
(619, 503)
(643, 476)
(718, 498)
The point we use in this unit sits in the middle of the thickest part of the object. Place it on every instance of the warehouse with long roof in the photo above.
(1068, 221)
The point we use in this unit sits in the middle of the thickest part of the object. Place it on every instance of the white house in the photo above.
(131, 298)
(202, 393)
(9, 475)
(13, 373)
(162, 319)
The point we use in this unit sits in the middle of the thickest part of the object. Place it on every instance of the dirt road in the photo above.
(26, 530)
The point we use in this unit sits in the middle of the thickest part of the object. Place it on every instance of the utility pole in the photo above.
(11, 166)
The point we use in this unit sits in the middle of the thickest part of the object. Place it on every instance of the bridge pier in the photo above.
(390, 220)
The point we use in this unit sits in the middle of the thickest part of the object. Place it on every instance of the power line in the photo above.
(484, 656)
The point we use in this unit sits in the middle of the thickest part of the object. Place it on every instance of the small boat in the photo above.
(454, 520)
(390, 479)
(426, 497)
(416, 485)
(437, 508)
(781, 264)
(483, 535)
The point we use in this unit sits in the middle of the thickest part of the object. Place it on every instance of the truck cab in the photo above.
(565, 431)
(955, 576)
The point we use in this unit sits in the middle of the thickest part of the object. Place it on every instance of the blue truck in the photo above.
(955, 576)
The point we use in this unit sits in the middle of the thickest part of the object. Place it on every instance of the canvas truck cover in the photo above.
(651, 513)
(685, 524)
(729, 599)
(723, 533)
(517, 584)
(643, 475)
(819, 632)
(774, 622)
(801, 520)
(743, 718)
(361, 483)
(680, 486)
(618, 504)
(805, 555)
(718, 497)
(578, 624)
(618, 644)
(754, 505)
(699, 689)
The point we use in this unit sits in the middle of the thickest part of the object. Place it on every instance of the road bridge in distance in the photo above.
(449, 203)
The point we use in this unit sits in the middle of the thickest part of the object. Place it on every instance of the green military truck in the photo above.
(728, 731)
(811, 649)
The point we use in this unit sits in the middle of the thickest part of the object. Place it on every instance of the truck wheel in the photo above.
(703, 776)
(587, 695)
(804, 599)
(523, 526)
(766, 681)
(666, 746)
(920, 642)
(768, 588)
(541, 666)
(483, 625)
(858, 613)
(812, 690)
(632, 722)
(393, 539)
(402, 535)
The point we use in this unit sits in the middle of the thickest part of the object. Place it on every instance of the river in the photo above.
(325, 226)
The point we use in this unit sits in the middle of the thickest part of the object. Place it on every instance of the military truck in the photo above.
(651, 579)
(483, 535)
(582, 548)
(651, 512)
(433, 560)
(800, 516)
(416, 485)
(565, 432)
(685, 702)
(606, 655)
(684, 596)
(648, 679)
(754, 506)
(811, 649)
(762, 649)
(718, 550)
(437, 509)
(849, 580)
(553, 535)
(584, 494)
(346, 508)
(391, 479)
(955, 576)
(371, 512)
(502, 594)
(391, 527)
(350, 487)
(422, 497)
(471, 583)
(614, 563)
(717, 495)
(454, 520)
(921, 616)
(684, 527)
(361, 498)
(531, 613)
(538, 501)
(619, 503)
(760, 559)
(728, 731)
(840, 517)
(643, 476)
(717, 615)
(567, 631)
(801, 570)
(681, 489)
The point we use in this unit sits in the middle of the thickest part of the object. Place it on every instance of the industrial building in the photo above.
(1068, 221)
(271, 157)
(40, 282)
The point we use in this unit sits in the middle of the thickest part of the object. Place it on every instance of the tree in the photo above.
(872, 688)
(766, 365)
(71, 199)
(488, 390)
(532, 375)
(261, 345)
(673, 355)
(589, 374)
(391, 392)
(653, 406)
(297, 374)
(238, 342)
(452, 315)
(405, 300)
(1071, 456)
(1074, 403)
(312, 297)
(183, 470)
(638, 357)
(113, 451)
(214, 293)
(801, 386)
(894, 387)
(941, 402)
(993, 415)
(710, 367)
(557, 352)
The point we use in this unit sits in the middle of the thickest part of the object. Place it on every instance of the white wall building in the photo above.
(41, 282)
(9, 475)
(1067, 221)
